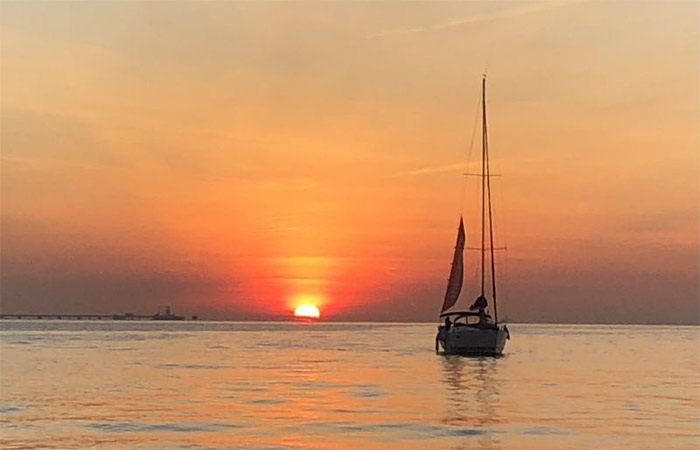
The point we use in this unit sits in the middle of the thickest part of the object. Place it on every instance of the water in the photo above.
(204, 385)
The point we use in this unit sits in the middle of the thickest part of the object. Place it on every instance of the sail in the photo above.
(454, 285)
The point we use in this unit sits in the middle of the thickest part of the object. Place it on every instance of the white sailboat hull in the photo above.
(472, 341)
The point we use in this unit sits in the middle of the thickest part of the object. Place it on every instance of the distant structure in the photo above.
(166, 314)
(126, 316)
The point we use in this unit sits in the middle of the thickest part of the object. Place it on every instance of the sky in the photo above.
(237, 159)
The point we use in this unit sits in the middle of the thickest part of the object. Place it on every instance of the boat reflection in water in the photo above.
(473, 400)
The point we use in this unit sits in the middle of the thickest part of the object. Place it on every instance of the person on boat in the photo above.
(448, 323)
(480, 304)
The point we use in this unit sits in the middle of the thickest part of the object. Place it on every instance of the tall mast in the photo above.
(483, 183)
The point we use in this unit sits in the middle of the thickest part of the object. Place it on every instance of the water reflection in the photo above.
(328, 386)
(473, 399)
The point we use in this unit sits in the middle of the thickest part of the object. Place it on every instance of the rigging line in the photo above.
(493, 262)
(503, 260)
(469, 155)
(488, 185)
(500, 234)
(502, 222)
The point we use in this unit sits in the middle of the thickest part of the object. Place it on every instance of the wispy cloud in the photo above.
(434, 169)
(520, 9)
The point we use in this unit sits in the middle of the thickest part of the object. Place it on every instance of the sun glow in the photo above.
(307, 311)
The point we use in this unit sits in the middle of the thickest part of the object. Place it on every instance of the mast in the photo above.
(486, 198)
(483, 183)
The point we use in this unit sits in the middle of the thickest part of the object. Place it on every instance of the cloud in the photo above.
(435, 169)
(521, 9)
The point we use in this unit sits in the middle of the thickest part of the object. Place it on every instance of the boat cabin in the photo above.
(465, 319)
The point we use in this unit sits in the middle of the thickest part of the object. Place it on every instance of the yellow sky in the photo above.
(232, 158)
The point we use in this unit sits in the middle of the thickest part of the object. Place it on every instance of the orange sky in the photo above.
(235, 158)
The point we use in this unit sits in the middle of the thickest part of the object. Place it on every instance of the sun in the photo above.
(307, 311)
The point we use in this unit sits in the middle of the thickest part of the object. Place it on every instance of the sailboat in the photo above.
(474, 332)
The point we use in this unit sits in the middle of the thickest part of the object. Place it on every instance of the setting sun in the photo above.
(307, 312)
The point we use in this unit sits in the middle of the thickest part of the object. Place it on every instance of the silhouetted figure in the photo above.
(480, 304)
(448, 324)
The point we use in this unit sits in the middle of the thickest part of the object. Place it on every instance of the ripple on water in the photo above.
(402, 430)
(266, 401)
(194, 366)
(10, 409)
(545, 431)
(368, 391)
(183, 427)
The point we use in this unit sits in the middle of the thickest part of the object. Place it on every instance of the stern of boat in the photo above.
(472, 341)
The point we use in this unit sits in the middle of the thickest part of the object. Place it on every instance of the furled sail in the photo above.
(454, 285)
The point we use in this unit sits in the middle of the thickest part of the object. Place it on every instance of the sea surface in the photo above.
(228, 385)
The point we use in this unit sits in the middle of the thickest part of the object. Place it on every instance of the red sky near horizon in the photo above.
(236, 159)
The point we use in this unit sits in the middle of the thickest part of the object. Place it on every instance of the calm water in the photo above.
(149, 385)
